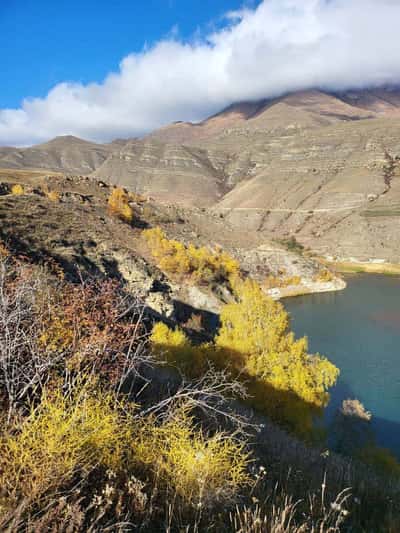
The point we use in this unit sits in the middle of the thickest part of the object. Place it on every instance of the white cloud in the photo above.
(280, 46)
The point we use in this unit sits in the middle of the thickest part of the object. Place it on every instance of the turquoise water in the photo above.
(358, 329)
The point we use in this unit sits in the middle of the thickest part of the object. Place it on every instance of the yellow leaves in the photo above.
(17, 189)
(272, 282)
(4, 252)
(173, 346)
(202, 470)
(324, 276)
(58, 335)
(62, 436)
(200, 263)
(118, 205)
(254, 323)
(66, 436)
(53, 196)
(255, 334)
(163, 335)
(255, 342)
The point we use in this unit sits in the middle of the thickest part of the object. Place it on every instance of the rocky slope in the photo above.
(322, 167)
(65, 154)
(75, 230)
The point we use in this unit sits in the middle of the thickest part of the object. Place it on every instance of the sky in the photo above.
(102, 69)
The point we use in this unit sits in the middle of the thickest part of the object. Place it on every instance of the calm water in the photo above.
(358, 329)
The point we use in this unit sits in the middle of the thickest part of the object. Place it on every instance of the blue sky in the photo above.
(102, 69)
(44, 42)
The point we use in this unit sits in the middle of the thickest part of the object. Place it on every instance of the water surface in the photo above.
(358, 329)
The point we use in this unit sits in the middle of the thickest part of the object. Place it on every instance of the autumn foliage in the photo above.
(17, 189)
(199, 263)
(68, 429)
(203, 470)
(255, 342)
(118, 205)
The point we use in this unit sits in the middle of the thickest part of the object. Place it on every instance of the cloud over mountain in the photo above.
(280, 46)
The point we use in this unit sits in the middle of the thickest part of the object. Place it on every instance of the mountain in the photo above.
(66, 154)
(171, 172)
(299, 110)
(319, 166)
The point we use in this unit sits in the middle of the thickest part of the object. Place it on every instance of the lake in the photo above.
(358, 329)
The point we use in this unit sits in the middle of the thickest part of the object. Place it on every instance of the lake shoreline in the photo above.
(307, 288)
(354, 267)
(359, 331)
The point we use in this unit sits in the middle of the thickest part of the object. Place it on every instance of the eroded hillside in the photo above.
(322, 168)
(67, 219)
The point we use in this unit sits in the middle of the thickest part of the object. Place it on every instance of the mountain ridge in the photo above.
(321, 167)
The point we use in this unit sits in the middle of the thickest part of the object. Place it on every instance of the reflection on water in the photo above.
(359, 330)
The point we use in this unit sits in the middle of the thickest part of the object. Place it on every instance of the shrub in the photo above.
(4, 252)
(255, 336)
(100, 326)
(324, 276)
(48, 325)
(292, 244)
(17, 189)
(255, 343)
(272, 282)
(173, 346)
(203, 471)
(201, 264)
(53, 196)
(61, 437)
(118, 205)
(23, 362)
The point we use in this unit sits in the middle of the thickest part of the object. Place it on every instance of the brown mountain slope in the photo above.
(304, 109)
(172, 173)
(186, 132)
(66, 154)
(322, 167)
(381, 102)
(336, 188)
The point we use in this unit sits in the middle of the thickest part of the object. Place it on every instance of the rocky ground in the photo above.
(65, 219)
(322, 167)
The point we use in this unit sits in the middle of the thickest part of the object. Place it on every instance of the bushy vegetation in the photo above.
(255, 343)
(324, 276)
(173, 346)
(53, 196)
(59, 437)
(118, 204)
(272, 282)
(67, 353)
(292, 244)
(17, 189)
(203, 471)
(198, 263)
(90, 442)
(255, 332)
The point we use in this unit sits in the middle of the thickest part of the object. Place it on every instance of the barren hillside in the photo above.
(321, 167)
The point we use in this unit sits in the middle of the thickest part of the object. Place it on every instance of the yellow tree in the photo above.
(255, 336)
(118, 204)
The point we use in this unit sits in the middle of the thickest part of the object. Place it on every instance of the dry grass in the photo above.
(371, 268)
(282, 515)
(81, 458)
